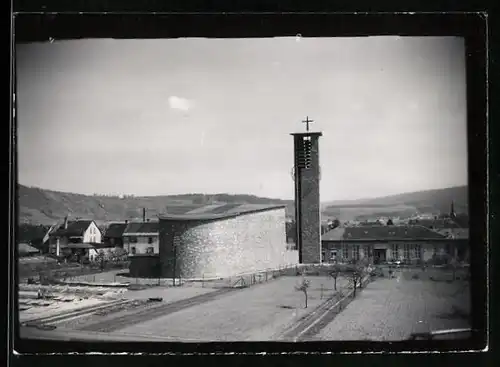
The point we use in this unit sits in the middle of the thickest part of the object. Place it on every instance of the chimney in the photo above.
(144, 215)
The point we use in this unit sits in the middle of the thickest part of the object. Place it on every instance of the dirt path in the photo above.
(255, 314)
(313, 322)
(147, 314)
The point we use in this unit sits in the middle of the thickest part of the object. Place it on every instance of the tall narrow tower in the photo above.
(307, 203)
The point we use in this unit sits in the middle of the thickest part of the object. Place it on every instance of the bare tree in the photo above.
(354, 281)
(357, 273)
(334, 274)
(304, 285)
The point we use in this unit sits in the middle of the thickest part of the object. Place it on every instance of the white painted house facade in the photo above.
(141, 238)
(71, 233)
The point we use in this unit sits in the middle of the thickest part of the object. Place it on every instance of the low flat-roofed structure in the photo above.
(410, 243)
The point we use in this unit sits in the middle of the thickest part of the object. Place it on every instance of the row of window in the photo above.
(353, 252)
(409, 251)
(149, 250)
(133, 239)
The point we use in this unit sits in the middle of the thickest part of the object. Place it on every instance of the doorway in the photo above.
(379, 255)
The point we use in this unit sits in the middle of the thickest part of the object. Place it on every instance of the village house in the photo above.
(113, 237)
(410, 244)
(141, 238)
(74, 237)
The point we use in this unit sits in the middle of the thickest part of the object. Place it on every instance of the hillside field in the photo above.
(40, 206)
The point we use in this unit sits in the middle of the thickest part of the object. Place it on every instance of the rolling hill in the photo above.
(404, 205)
(40, 206)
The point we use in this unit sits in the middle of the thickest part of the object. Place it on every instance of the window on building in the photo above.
(367, 251)
(395, 252)
(150, 250)
(133, 250)
(417, 252)
(333, 254)
(345, 252)
(150, 240)
(355, 252)
(132, 239)
(406, 251)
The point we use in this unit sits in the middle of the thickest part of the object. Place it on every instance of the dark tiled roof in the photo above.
(75, 228)
(213, 212)
(384, 233)
(115, 230)
(141, 227)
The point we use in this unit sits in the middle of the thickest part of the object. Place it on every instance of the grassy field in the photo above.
(353, 213)
(256, 313)
(394, 308)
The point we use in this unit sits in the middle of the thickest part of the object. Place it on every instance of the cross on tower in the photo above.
(307, 121)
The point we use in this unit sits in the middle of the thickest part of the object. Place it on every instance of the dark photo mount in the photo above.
(471, 26)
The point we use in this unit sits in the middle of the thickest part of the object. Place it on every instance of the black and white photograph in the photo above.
(273, 189)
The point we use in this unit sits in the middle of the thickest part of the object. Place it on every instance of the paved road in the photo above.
(392, 309)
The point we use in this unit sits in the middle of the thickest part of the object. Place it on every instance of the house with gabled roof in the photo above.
(71, 233)
(113, 237)
(407, 243)
(141, 238)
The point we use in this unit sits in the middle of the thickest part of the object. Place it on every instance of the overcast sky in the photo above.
(148, 117)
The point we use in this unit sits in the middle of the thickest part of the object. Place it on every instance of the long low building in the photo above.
(410, 243)
(219, 241)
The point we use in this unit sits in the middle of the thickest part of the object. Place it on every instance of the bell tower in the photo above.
(307, 201)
